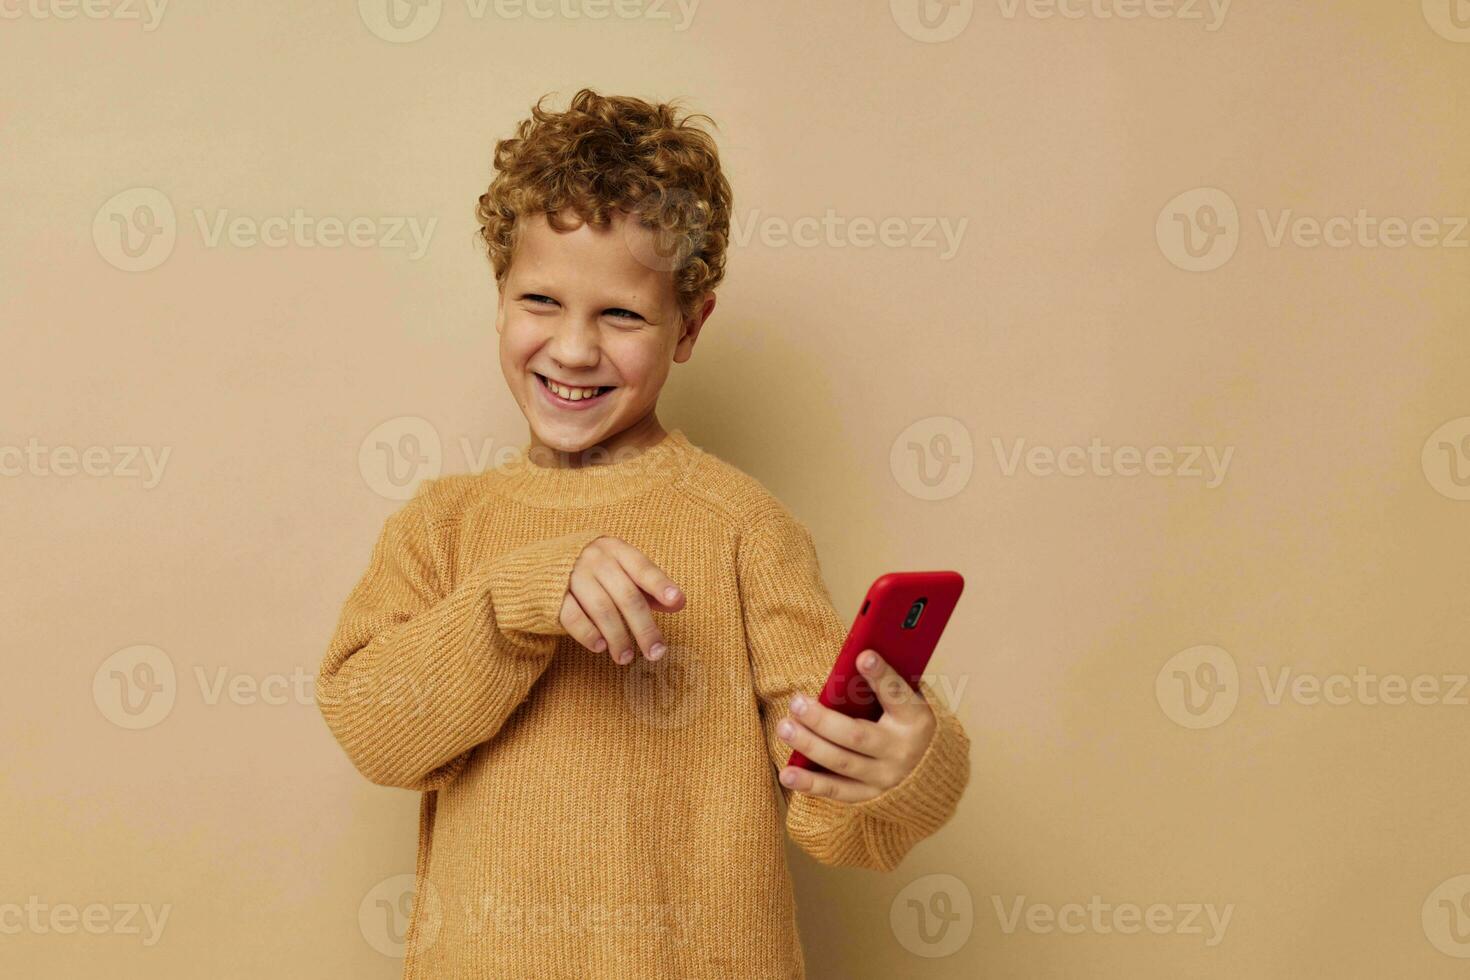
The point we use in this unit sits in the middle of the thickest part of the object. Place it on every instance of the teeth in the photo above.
(571, 394)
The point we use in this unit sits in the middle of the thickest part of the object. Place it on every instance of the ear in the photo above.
(692, 325)
(499, 307)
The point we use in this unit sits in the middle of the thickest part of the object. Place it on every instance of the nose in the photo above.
(574, 344)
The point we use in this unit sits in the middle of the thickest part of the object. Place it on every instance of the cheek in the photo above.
(643, 365)
(518, 341)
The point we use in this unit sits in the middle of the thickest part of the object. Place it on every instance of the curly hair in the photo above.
(607, 153)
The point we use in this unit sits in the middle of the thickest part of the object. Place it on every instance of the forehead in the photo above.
(590, 259)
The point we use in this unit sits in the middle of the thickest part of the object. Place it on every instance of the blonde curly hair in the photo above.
(607, 153)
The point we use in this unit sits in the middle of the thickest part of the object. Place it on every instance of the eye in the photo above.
(538, 298)
(627, 314)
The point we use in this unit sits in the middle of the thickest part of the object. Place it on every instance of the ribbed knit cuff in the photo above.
(528, 585)
(927, 797)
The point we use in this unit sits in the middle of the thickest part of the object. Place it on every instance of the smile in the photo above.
(565, 396)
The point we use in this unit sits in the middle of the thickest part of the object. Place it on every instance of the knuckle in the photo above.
(601, 608)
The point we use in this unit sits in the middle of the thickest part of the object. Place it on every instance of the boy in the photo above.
(588, 661)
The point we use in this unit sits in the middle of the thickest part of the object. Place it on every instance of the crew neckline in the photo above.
(561, 487)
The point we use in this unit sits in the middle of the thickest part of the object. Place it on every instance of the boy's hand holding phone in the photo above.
(613, 583)
(864, 757)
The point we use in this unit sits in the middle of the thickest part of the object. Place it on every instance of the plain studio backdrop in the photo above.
(1149, 318)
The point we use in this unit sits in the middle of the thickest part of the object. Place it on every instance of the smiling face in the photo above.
(578, 309)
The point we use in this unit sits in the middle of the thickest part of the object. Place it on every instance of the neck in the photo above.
(621, 445)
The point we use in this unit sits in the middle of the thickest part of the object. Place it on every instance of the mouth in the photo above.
(568, 396)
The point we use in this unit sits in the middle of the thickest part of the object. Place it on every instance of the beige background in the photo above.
(1335, 543)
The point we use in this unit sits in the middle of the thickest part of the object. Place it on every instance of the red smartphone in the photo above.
(901, 617)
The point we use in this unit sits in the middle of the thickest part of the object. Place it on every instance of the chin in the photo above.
(567, 443)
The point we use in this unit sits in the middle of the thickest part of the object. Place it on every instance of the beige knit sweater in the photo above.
(584, 819)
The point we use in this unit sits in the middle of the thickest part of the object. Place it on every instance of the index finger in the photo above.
(649, 577)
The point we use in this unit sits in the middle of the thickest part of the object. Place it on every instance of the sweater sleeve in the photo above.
(793, 635)
(420, 670)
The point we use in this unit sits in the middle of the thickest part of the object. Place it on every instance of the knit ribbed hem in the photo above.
(528, 585)
(926, 798)
(626, 474)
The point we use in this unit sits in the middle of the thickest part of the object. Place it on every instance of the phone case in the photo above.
(881, 625)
